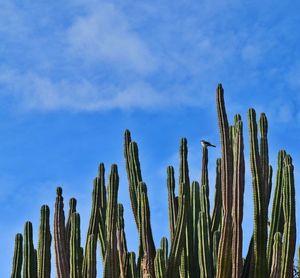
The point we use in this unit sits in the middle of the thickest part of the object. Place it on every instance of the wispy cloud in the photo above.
(105, 35)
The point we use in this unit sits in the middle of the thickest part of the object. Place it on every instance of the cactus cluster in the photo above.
(201, 243)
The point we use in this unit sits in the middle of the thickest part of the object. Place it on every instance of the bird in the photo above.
(206, 144)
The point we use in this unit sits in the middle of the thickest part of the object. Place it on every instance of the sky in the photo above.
(75, 74)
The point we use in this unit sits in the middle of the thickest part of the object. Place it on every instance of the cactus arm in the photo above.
(44, 246)
(122, 245)
(216, 240)
(18, 257)
(62, 262)
(224, 261)
(72, 208)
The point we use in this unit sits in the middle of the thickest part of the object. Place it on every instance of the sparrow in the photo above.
(206, 144)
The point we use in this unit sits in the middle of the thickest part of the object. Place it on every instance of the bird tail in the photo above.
(212, 145)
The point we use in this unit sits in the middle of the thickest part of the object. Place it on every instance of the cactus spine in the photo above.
(44, 246)
(18, 257)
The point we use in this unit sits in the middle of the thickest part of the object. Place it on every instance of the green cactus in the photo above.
(161, 259)
(122, 244)
(132, 268)
(276, 259)
(216, 240)
(72, 209)
(225, 245)
(93, 223)
(289, 238)
(44, 246)
(260, 216)
(277, 221)
(60, 242)
(238, 197)
(18, 257)
(111, 268)
(29, 267)
(173, 206)
(91, 262)
(75, 252)
(216, 218)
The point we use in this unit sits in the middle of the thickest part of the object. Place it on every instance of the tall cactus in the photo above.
(276, 224)
(44, 246)
(93, 228)
(224, 257)
(173, 206)
(260, 216)
(276, 260)
(60, 243)
(122, 244)
(72, 209)
(18, 257)
(75, 251)
(111, 256)
(289, 239)
(216, 218)
(102, 210)
(91, 263)
(238, 197)
(29, 267)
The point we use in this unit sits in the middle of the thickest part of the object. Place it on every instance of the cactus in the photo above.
(224, 261)
(72, 209)
(110, 261)
(75, 252)
(173, 206)
(201, 245)
(93, 223)
(44, 246)
(238, 197)
(91, 269)
(29, 267)
(276, 260)
(260, 216)
(122, 244)
(216, 218)
(276, 224)
(289, 239)
(60, 243)
(18, 257)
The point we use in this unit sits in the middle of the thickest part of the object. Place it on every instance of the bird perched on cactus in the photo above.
(206, 144)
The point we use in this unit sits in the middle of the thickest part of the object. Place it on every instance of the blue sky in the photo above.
(75, 74)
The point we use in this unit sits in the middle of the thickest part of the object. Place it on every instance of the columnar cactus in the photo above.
(260, 216)
(173, 206)
(29, 267)
(75, 251)
(91, 262)
(44, 246)
(289, 238)
(18, 257)
(111, 256)
(276, 260)
(60, 242)
(72, 209)
(224, 258)
(238, 197)
(122, 244)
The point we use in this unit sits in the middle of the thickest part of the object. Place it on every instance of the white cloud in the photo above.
(41, 93)
(104, 34)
